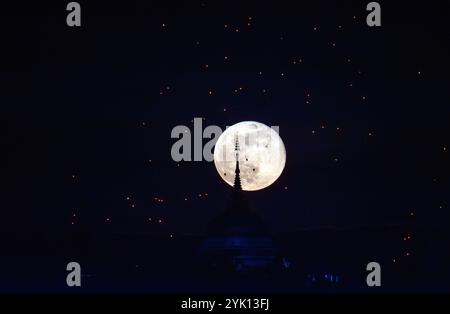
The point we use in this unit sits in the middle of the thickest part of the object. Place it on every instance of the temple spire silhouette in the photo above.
(238, 240)
(237, 178)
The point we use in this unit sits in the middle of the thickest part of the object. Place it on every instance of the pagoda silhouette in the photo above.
(238, 240)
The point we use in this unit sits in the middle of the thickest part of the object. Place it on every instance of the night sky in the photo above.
(363, 113)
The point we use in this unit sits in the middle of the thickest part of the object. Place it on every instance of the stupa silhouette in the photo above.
(238, 240)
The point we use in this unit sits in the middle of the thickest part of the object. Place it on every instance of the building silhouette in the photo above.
(238, 240)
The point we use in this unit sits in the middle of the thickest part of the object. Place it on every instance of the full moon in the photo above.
(262, 155)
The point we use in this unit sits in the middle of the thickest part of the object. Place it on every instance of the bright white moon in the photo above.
(262, 155)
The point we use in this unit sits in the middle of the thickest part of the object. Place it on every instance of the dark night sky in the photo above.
(363, 112)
